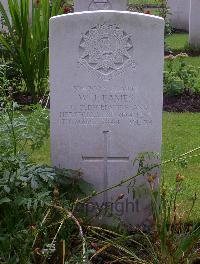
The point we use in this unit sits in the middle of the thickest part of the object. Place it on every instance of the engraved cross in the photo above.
(105, 159)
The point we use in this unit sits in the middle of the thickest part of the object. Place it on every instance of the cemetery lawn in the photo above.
(180, 134)
(177, 41)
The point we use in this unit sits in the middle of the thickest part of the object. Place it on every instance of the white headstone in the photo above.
(92, 5)
(6, 7)
(194, 32)
(179, 13)
(106, 72)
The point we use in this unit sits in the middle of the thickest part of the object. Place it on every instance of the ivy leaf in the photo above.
(7, 189)
(85, 187)
(34, 184)
(4, 200)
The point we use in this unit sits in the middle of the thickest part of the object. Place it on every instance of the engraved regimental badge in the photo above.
(106, 50)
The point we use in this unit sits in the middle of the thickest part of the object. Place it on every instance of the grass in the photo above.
(180, 134)
(177, 41)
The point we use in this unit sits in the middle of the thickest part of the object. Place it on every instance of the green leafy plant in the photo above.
(24, 187)
(19, 131)
(28, 190)
(27, 40)
(179, 77)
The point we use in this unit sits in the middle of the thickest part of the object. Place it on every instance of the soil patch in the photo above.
(182, 103)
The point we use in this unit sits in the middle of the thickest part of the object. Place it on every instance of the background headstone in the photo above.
(92, 5)
(6, 7)
(179, 14)
(194, 32)
(106, 72)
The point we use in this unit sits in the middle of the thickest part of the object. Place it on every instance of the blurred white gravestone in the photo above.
(106, 101)
(92, 5)
(6, 7)
(194, 32)
(179, 14)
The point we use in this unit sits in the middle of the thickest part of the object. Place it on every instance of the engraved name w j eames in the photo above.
(106, 50)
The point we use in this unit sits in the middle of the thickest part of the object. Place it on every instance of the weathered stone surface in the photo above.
(179, 14)
(194, 32)
(92, 5)
(106, 101)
